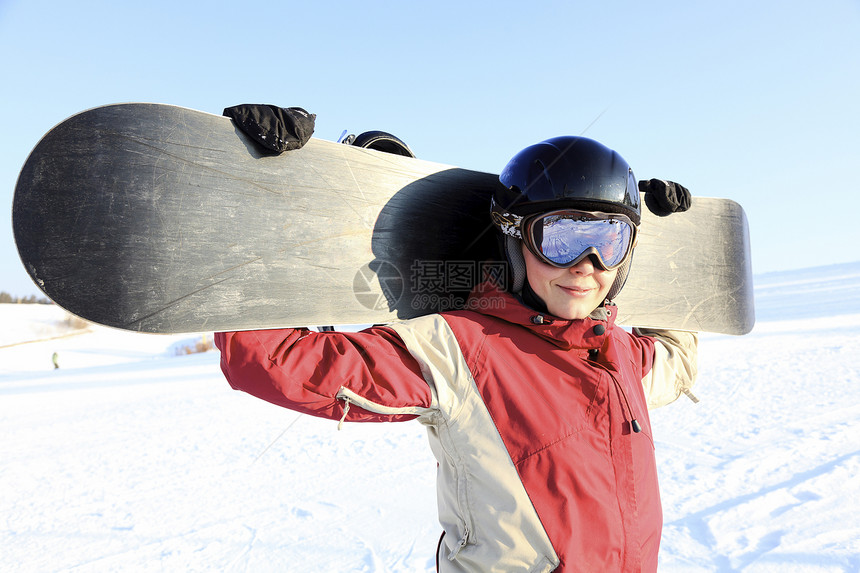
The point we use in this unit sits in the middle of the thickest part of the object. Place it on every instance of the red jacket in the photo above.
(530, 417)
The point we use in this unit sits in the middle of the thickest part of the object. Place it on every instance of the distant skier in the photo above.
(536, 403)
(55, 358)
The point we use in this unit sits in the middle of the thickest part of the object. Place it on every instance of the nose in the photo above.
(584, 267)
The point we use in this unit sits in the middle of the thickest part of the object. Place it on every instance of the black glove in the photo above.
(276, 129)
(665, 197)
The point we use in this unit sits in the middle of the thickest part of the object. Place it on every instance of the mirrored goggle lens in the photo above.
(563, 239)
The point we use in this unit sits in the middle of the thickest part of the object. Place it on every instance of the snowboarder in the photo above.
(536, 403)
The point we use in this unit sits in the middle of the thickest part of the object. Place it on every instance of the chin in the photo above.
(571, 313)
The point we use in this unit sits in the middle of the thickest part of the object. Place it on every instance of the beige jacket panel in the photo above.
(490, 523)
(675, 365)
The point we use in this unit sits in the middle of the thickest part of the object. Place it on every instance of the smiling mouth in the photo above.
(577, 291)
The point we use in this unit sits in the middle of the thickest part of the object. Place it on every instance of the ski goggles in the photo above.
(564, 237)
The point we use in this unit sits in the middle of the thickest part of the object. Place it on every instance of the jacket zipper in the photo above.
(460, 545)
(634, 423)
(346, 404)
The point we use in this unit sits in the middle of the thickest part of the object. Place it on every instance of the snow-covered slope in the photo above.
(131, 457)
(764, 473)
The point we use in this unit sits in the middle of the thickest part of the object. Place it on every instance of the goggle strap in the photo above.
(508, 223)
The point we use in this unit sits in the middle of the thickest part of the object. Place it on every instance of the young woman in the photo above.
(536, 404)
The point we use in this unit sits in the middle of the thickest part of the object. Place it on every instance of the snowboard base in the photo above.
(156, 218)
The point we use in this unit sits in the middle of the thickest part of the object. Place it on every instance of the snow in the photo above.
(134, 456)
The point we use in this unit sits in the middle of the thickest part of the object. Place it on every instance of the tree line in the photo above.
(5, 297)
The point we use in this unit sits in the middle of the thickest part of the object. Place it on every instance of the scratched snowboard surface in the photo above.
(156, 218)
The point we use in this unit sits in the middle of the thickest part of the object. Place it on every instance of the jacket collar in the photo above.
(586, 333)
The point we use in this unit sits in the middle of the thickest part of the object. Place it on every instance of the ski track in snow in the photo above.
(130, 457)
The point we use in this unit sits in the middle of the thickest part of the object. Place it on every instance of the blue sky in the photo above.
(754, 101)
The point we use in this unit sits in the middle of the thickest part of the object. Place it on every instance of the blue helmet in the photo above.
(569, 172)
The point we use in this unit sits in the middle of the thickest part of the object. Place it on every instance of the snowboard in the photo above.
(156, 218)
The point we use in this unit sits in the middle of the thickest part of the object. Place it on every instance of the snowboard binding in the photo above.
(380, 141)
